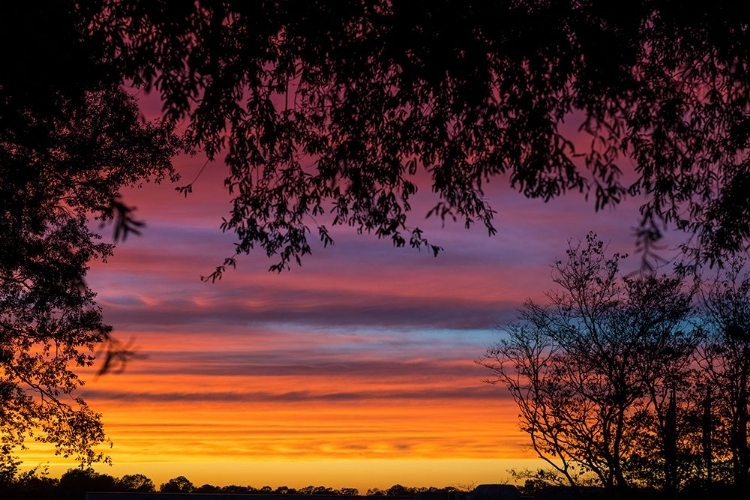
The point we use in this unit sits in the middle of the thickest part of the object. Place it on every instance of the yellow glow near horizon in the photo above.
(347, 430)
(360, 474)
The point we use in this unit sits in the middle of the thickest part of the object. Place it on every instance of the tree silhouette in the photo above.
(65, 155)
(32, 484)
(350, 106)
(597, 373)
(136, 483)
(207, 488)
(82, 480)
(179, 484)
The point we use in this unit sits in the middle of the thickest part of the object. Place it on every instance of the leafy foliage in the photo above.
(65, 154)
(343, 108)
(37, 485)
(348, 106)
(82, 480)
(136, 483)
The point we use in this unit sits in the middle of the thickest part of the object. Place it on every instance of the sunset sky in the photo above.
(356, 369)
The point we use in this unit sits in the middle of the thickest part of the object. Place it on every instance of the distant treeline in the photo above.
(74, 484)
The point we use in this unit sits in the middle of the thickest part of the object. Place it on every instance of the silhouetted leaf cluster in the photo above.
(348, 106)
(69, 141)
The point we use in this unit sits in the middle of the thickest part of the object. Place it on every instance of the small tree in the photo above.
(32, 484)
(135, 483)
(179, 484)
(595, 373)
(82, 480)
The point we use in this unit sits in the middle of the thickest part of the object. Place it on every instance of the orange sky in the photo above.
(354, 370)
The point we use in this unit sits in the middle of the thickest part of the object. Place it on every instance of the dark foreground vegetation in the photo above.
(634, 382)
(36, 484)
(338, 112)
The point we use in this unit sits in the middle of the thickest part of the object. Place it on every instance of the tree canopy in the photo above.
(49, 321)
(68, 144)
(349, 106)
(633, 381)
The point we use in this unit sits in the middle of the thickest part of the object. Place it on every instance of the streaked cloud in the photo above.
(365, 353)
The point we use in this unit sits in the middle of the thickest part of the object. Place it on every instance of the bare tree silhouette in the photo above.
(725, 360)
(598, 374)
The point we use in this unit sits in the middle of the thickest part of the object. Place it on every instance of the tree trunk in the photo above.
(707, 441)
(670, 448)
(742, 461)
